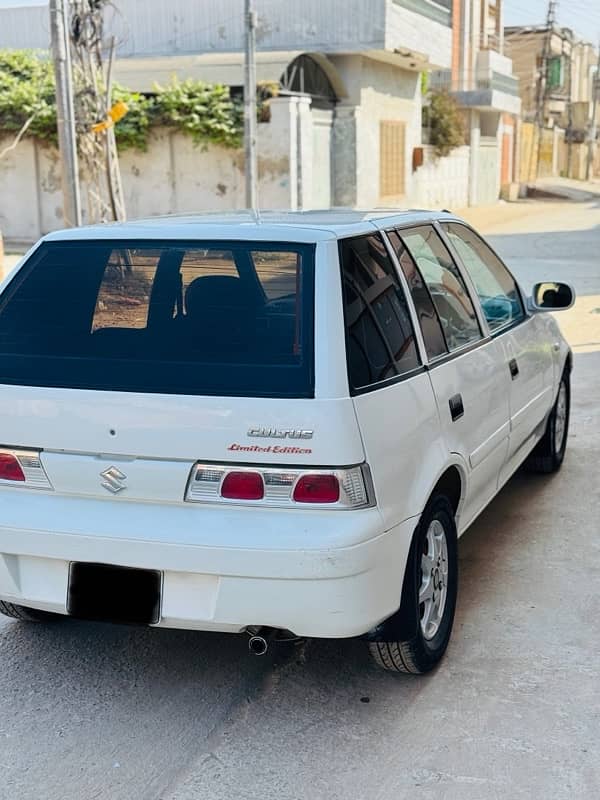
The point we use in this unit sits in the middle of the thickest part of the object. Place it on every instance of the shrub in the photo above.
(27, 90)
(445, 122)
(205, 112)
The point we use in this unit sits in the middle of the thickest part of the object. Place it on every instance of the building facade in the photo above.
(481, 79)
(347, 121)
(558, 101)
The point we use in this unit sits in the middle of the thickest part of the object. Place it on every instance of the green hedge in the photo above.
(205, 112)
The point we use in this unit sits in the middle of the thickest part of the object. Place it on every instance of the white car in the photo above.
(277, 426)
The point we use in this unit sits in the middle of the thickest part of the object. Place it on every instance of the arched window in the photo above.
(306, 76)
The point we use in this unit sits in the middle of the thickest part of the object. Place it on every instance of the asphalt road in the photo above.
(98, 711)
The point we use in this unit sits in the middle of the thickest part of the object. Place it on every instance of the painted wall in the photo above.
(156, 28)
(376, 92)
(442, 182)
(420, 33)
(488, 172)
(173, 176)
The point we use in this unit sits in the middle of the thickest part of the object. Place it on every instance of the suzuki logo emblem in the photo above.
(114, 480)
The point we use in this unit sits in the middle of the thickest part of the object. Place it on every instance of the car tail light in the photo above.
(23, 468)
(317, 489)
(10, 469)
(243, 486)
(346, 488)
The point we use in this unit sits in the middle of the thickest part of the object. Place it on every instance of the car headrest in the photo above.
(216, 293)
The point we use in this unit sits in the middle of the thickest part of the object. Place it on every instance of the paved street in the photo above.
(96, 711)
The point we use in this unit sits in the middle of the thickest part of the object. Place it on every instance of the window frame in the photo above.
(509, 326)
(416, 328)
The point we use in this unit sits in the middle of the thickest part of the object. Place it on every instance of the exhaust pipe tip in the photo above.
(258, 645)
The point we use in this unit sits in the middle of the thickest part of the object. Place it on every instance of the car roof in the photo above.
(297, 226)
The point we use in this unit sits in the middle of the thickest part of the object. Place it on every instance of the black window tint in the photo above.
(431, 327)
(496, 287)
(214, 318)
(446, 286)
(379, 334)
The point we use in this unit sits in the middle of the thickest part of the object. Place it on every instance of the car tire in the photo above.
(549, 453)
(27, 614)
(415, 639)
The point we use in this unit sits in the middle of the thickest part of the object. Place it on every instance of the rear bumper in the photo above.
(322, 574)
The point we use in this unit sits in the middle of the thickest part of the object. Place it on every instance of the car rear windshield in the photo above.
(210, 318)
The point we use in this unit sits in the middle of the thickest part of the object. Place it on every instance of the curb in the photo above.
(572, 194)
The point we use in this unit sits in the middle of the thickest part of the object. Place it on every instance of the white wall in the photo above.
(175, 176)
(322, 122)
(376, 91)
(156, 27)
(488, 172)
(19, 207)
(442, 182)
(397, 97)
(410, 30)
(171, 177)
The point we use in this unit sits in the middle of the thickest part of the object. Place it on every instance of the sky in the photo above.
(583, 16)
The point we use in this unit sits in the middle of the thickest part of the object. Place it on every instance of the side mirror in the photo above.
(551, 297)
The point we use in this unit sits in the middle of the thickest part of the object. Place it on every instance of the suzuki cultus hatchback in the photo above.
(275, 426)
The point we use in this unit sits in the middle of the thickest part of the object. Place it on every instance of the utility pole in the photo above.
(570, 109)
(250, 110)
(593, 126)
(542, 86)
(93, 92)
(67, 139)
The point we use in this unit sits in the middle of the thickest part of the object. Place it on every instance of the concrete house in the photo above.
(482, 81)
(565, 93)
(344, 127)
(349, 110)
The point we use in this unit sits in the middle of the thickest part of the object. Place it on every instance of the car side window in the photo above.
(496, 287)
(446, 286)
(431, 327)
(380, 340)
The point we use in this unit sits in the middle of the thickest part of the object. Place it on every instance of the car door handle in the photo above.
(457, 408)
(514, 368)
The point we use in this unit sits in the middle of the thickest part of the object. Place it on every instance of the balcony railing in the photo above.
(442, 79)
(437, 10)
(490, 41)
(500, 83)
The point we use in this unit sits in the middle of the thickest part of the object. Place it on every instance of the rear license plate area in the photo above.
(114, 594)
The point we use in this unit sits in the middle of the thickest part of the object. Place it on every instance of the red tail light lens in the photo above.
(281, 487)
(317, 489)
(10, 469)
(243, 486)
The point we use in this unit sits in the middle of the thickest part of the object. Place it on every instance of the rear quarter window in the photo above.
(226, 318)
(380, 340)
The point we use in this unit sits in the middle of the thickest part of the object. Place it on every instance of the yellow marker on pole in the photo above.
(116, 113)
